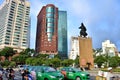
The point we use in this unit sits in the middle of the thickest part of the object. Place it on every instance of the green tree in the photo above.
(28, 61)
(47, 62)
(55, 62)
(67, 62)
(39, 61)
(34, 61)
(42, 56)
(113, 62)
(77, 61)
(57, 56)
(118, 59)
(20, 59)
(7, 51)
(12, 64)
(99, 60)
(5, 63)
(28, 52)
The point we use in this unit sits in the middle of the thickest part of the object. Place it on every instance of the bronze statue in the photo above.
(83, 30)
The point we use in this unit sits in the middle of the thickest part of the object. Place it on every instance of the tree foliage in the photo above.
(76, 61)
(99, 60)
(107, 61)
(5, 63)
(67, 62)
(20, 59)
(55, 62)
(113, 62)
(26, 58)
(28, 52)
(12, 64)
(7, 51)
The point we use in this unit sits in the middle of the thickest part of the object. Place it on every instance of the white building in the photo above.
(109, 48)
(74, 48)
(15, 24)
(119, 54)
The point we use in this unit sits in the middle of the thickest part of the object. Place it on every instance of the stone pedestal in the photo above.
(86, 52)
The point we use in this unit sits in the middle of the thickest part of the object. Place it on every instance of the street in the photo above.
(19, 77)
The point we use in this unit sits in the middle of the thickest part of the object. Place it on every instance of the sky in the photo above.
(100, 17)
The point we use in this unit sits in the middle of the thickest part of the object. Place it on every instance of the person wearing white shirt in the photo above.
(109, 75)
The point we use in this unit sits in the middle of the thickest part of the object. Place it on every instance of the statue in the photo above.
(83, 30)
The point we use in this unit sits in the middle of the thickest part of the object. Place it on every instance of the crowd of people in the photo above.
(10, 74)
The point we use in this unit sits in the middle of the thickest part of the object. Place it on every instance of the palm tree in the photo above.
(28, 52)
(97, 51)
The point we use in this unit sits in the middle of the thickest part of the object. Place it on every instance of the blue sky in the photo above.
(101, 18)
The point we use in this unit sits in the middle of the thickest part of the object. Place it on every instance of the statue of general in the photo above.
(83, 30)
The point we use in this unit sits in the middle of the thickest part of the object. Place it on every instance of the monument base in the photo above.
(86, 52)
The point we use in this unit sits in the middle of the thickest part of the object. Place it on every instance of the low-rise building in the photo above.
(109, 48)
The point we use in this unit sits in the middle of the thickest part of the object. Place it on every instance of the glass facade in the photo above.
(50, 22)
(62, 33)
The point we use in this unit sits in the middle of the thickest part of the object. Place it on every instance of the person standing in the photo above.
(1, 75)
(11, 75)
(109, 74)
(26, 75)
(23, 74)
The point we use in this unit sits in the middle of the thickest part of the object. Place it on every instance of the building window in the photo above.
(50, 9)
(6, 42)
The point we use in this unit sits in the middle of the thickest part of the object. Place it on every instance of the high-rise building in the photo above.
(15, 24)
(51, 35)
(62, 33)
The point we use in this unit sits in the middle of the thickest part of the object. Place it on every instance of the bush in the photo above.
(114, 69)
(113, 62)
